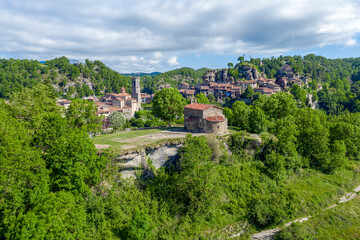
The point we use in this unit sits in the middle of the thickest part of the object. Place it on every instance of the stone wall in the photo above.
(213, 111)
(216, 127)
(192, 113)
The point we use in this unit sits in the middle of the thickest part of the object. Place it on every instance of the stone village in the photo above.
(197, 117)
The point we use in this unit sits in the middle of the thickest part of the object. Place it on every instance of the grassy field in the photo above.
(318, 190)
(115, 140)
(125, 140)
(341, 222)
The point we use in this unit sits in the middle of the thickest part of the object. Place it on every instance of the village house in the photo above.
(264, 90)
(146, 98)
(183, 86)
(205, 118)
(188, 94)
(121, 102)
(251, 83)
(63, 103)
(166, 85)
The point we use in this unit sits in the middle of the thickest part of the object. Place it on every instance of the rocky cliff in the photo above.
(162, 156)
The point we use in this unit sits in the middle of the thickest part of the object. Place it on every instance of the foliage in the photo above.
(201, 98)
(47, 167)
(116, 120)
(257, 120)
(249, 92)
(17, 74)
(173, 77)
(168, 104)
(83, 114)
(240, 115)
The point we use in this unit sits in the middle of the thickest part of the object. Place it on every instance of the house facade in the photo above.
(205, 118)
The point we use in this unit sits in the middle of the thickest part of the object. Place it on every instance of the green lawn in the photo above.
(117, 140)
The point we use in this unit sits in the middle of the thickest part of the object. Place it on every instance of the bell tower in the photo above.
(136, 89)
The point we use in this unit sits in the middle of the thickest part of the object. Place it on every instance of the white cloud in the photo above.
(172, 61)
(149, 35)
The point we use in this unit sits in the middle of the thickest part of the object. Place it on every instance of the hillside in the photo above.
(173, 77)
(68, 80)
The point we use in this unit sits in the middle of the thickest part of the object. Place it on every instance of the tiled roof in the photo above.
(185, 84)
(107, 109)
(251, 81)
(198, 106)
(190, 92)
(215, 119)
(120, 94)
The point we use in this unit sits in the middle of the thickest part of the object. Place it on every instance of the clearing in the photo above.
(131, 140)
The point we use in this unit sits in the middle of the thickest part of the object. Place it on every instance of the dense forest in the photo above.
(54, 183)
(80, 80)
(67, 80)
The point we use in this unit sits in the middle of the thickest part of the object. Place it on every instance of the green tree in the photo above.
(241, 59)
(257, 120)
(249, 92)
(299, 94)
(168, 104)
(201, 98)
(240, 115)
(211, 97)
(59, 216)
(140, 227)
(229, 115)
(277, 106)
(82, 114)
(116, 120)
(313, 138)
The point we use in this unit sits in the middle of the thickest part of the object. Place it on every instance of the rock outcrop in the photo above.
(162, 156)
(247, 71)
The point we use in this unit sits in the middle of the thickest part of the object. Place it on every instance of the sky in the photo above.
(160, 35)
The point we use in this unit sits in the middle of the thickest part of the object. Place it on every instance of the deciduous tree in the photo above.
(168, 104)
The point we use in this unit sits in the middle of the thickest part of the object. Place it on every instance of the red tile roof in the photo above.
(215, 119)
(119, 94)
(198, 106)
(189, 92)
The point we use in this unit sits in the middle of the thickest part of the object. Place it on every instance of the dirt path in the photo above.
(270, 233)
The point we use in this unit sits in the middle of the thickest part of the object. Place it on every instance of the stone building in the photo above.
(135, 87)
(121, 102)
(205, 118)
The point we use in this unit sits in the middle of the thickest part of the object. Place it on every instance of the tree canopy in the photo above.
(168, 104)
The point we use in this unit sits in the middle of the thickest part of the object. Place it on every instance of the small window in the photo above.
(218, 126)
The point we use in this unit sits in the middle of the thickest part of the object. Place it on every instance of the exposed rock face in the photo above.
(209, 77)
(248, 72)
(162, 156)
(222, 76)
(313, 104)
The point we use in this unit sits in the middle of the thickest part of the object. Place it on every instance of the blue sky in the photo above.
(160, 35)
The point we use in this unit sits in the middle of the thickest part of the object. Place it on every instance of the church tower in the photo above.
(136, 89)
